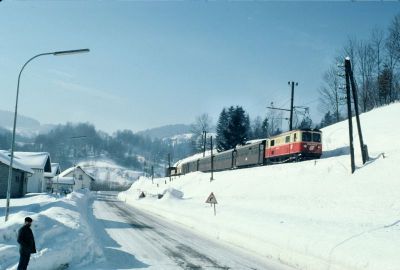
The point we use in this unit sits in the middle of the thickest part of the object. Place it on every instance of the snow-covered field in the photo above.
(62, 234)
(311, 215)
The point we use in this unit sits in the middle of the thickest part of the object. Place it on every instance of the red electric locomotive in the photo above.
(301, 144)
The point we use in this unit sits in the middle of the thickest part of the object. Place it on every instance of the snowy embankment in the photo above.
(63, 237)
(311, 215)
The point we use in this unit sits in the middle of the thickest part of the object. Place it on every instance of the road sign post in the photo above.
(212, 201)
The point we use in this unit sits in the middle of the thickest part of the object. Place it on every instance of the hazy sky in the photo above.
(159, 63)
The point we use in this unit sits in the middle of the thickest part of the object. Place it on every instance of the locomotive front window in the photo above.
(316, 137)
(306, 136)
(287, 139)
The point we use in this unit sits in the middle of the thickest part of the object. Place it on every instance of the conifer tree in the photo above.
(222, 126)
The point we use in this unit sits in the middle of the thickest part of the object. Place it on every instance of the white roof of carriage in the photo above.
(6, 159)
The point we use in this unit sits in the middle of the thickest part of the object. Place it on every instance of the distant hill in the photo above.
(166, 131)
(7, 118)
(26, 126)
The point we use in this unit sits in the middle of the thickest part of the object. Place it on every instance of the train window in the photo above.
(306, 137)
(295, 137)
(316, 137)
(287, 139)
(272, 142)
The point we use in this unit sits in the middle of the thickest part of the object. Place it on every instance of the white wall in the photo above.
(36, 182)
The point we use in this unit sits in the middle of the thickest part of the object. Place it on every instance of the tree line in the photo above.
(375, 62)
(70, 143)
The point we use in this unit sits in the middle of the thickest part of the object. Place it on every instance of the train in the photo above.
(290, 146)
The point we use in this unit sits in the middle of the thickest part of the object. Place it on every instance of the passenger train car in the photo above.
(294, 145)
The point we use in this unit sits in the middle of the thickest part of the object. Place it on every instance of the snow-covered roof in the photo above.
(69, 170)
(5, 159)
(33, 160)
(63, 180)
(55, 170)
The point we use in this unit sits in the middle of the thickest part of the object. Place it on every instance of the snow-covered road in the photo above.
(132, 239)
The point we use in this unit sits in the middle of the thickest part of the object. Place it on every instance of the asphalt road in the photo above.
(132, 239)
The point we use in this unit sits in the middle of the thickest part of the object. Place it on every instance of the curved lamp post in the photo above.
(58, 53)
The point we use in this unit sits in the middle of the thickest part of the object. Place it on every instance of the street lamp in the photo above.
(58, 53)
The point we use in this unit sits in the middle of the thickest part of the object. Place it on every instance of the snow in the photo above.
(6, 159)
(55, 167)
(310, 215)
(105, 170)
(60, 227)
(34, 160)
(71, 169)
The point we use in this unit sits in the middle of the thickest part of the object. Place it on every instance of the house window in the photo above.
(80, 177)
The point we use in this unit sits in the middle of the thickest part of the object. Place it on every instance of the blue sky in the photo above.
(158, 63)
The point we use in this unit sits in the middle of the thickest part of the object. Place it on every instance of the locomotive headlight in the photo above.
(305, 145)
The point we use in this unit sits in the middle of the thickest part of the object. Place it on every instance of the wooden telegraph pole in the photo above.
(364, 149)
(152, 174)
(212, 160)
(291, 105)
(348, 98)
(169, 166)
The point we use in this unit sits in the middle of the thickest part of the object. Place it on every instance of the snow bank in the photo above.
(63, 237)
(310, 215)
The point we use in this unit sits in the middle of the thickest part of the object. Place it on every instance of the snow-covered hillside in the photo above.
(107, 171)
(311, 215)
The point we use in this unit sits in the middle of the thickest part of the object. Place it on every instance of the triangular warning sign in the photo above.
(211, 198)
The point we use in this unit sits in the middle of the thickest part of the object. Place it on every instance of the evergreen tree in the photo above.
(265, 127)
(257, 129)
(327, 120)
(233, 128)
(222, 127)
(305, 123)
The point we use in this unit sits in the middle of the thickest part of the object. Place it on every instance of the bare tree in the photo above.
(331, 92)
(392, 47)
(393, 55)
(203, 123)
(377, 43)
(366, 60)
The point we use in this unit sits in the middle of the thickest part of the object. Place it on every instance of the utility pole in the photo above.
(364, 149)
(291, 104)
(204, 142)
(169, 166)
(347, 67)
(152, 174)
(212, 160)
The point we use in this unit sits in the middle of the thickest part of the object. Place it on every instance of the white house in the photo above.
(55, 170)
(19, 176)
(40, 163)
(82, 178)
